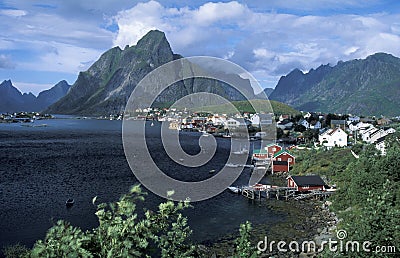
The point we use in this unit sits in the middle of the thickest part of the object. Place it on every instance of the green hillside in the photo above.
(266, 106)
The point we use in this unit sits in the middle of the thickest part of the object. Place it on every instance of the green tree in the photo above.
(244, 247)
(122, 232)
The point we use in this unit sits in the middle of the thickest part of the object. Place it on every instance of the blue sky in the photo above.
(43, 42)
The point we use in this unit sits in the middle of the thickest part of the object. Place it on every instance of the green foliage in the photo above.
(62, 240)
(368, 198)
(244, 248)
(122, 232)
(16, 251)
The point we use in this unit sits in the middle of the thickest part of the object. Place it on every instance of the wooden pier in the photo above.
(268, 192)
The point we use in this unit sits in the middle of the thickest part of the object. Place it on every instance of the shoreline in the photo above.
(305, 220)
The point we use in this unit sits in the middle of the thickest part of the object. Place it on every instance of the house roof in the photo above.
(381, 139)
(273, 144)
(338, 122)
(375, 132)
(260, 151)
(281, 152)
(312, 180)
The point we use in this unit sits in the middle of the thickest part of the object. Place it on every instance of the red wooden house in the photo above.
(272, 149)
(282, 160)
(284, 155)
(306, 183)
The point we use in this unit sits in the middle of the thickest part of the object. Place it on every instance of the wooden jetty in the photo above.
(259, 191)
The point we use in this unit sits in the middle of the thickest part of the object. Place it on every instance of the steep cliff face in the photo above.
(368, 86)
(106, 86)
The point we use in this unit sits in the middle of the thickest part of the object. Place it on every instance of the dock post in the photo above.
(277, 194)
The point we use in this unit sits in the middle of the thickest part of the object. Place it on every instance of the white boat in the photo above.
(152, 124)
(231, 165)
(234, 189)
(248, 166)
(69, 203)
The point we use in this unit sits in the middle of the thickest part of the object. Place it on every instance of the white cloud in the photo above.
(13, 12)
(268, 38)
(60, 57)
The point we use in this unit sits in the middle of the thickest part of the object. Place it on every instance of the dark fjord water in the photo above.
(41, 167)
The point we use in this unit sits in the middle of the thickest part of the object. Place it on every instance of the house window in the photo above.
(290, 159)
(279, 159)
(273, 149)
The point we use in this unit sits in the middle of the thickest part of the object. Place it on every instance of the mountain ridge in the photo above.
(369, 86)
(12, 100)
(106, 86)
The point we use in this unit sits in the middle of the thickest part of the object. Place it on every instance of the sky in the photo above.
(46, 41)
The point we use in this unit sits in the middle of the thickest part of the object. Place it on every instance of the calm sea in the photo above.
(42, 166)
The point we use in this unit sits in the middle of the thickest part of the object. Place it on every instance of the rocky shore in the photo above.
(304, 220)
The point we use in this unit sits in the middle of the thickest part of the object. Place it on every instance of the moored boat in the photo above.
(234, 189)
(69, 202)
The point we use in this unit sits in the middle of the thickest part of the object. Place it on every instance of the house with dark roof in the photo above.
(338, 123)
(307, 183)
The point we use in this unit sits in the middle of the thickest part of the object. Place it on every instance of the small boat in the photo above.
(152, 124)
(248, 166)
(69, 203)
(212, 171)
(226, 136)
(234, 189)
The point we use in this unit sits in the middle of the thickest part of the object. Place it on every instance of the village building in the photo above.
(272, 148)
(285, 125)
(304, 123)
(315, 124)
(306, 183)
(338, 124)
(381, 146)
(259, 120)
(260, 154)
(333, 137)
(282, 161)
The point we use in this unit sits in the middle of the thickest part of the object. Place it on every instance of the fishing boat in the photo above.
(69, 202)
(212, 171)
(234, 189)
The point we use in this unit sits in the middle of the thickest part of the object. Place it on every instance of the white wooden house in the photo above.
(333, 137)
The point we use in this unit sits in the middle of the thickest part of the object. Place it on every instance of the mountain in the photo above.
(368, 86)
(12, 100)
(50, 96)
(106, 86)
(268, 91)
